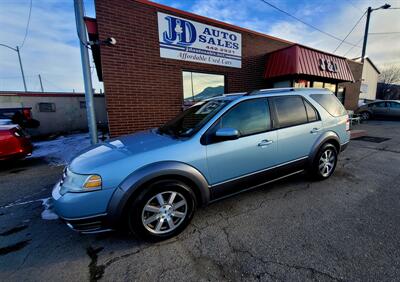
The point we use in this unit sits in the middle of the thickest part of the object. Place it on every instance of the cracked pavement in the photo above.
(343, 229)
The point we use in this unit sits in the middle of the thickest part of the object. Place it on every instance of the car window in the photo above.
(248, 117)
(290, 110)
(311, 112)
(379, 105)
(330, 103)
(191, 120)
(394, 105)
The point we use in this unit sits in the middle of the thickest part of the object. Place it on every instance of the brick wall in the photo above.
(144, 90)
(353, 89)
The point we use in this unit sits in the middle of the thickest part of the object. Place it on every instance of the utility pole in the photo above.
(369, 11)
(22, 69)
(87, 78)
(20, 62)
(41, 84)
(364, 49)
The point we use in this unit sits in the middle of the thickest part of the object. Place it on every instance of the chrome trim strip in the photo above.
(259, 171)
(258, 185)
(345, 143)
(90, 231)
(82, 218)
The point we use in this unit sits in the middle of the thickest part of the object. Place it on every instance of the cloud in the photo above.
(51, 48)
(335, 17)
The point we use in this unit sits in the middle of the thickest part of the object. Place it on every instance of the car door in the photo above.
(380, 109)
(299, 126)
(394, 109)
(253, 151)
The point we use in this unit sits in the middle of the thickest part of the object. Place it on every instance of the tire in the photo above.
(151, 220)
(365, 115)
(325, 162)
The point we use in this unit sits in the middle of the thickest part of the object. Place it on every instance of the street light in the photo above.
(20, 62)
(369, 11)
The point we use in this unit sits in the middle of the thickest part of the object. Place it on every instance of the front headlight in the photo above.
(73, 182)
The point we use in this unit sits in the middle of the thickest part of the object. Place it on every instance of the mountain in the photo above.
(208, 92)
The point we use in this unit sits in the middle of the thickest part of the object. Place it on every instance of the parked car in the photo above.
(14, 142)
(21, 116)
(380, 109)
(153, 181)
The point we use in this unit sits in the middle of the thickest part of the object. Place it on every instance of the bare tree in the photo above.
(389, 82)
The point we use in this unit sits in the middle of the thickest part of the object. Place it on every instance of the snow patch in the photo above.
(60, 151)
(48, 213)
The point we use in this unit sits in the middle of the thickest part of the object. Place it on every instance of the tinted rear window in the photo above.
(290, 110)
(330, 103)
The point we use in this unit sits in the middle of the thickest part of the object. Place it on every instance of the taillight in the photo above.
(27, 113)
(347, 124)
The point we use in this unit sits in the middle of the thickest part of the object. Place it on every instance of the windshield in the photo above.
(191, 120)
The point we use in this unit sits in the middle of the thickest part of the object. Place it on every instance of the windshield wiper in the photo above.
(167, 130)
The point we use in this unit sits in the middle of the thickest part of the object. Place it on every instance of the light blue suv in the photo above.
(153, 181)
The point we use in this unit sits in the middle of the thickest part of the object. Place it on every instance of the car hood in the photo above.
(119, 148)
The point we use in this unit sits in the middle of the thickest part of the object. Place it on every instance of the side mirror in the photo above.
(223, 134)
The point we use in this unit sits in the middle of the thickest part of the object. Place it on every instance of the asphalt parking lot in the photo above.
(346, 228)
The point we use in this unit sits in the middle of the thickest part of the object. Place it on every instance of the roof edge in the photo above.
(195, 16)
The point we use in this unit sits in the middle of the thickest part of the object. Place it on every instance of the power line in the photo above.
(352, 47)
(27, 25)
(340, 44)
(307, 24)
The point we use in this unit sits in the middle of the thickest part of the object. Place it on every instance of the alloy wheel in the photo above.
(365, 116)
(164, 212)
(327, 162)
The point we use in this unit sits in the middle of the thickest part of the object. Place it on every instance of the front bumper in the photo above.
(83, 212)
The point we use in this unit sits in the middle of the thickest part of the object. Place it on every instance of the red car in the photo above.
(14, 143)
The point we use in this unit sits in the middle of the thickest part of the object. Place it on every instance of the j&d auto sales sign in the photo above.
(186, 40)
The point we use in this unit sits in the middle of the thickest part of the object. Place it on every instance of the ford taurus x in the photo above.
(153, 181)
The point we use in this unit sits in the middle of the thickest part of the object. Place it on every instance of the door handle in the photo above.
(265, 143)
(314, 130)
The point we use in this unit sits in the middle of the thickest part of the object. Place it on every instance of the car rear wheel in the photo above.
(365, 115)
(325, 162)
(162, 211)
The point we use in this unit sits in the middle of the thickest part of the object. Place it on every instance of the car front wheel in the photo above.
(162, 211)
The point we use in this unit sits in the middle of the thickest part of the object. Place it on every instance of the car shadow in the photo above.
(19, 165)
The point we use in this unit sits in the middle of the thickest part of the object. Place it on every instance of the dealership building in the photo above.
(166, 58)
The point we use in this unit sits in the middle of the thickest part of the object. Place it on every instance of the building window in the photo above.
(317, 84)
(301, 83)
(199, 86)
(282, 84)
(330, 86)
(82, 104)
(47, 107)
(341, 93)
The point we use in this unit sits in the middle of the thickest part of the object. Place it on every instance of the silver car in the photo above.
(380, 109)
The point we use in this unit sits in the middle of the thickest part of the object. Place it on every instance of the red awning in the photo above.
(305, 61)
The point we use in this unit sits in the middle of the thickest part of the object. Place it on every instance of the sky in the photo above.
(51, 48)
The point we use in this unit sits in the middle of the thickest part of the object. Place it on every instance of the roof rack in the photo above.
(269, 90)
